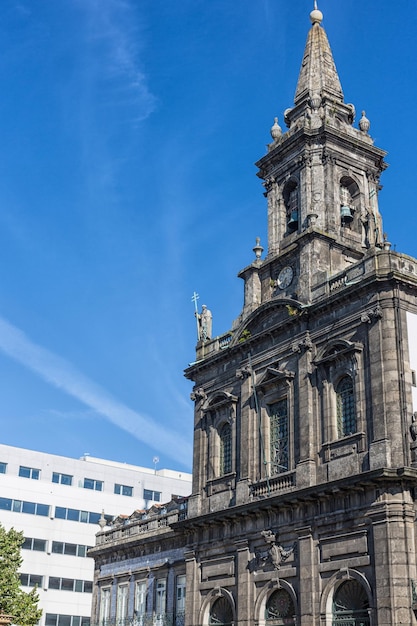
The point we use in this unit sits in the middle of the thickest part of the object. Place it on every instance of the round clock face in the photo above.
(285, 277)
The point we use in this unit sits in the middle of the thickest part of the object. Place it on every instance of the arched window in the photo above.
(350, 605)
(280, 609)
(291, 205)
(225, 449)
(349, 198)
(221, 613)
(346, 411)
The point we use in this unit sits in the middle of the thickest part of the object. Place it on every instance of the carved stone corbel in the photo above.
(244, 372)
(198, 394)
(371, 315)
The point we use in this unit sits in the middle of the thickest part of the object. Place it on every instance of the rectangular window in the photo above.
(29, 472)
(31, 580)
(70, 549)
(121, 604)
(279, 437)
(413, 379)
(69, 584)
(42, 510)
(34, 544)
(73, 515)
(149, 494)
(3, 468)
(81, 550)
(39, 545)
(123, 490)
(91, 483)
(52, 619)
(6, 504)
(29, 507)
(180, 596)
(160, 596)
(140, 598)
(19, 506)
(104, 606)
(62, 479)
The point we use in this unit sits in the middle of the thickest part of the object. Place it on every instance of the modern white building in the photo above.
(57, 502)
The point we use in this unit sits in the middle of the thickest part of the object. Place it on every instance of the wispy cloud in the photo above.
(63, 375)
(114, 31)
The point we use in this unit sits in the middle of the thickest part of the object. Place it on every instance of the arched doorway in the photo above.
(279, 610)
(221, 613)
(350, 605)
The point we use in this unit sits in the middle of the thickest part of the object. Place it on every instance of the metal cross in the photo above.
(194, 299)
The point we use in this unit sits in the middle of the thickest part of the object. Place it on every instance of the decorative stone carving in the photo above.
(372, 315)
(244, 372)
(303, 345)
(275, 554)
(198, 394)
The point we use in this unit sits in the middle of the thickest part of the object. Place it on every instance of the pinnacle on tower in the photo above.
(318, 74)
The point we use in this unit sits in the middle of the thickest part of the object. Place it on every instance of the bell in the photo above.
(346, 214)
(293, 221)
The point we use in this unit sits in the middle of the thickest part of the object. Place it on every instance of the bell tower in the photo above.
(321, 181)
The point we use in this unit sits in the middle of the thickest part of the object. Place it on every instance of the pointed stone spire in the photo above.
(318, 74)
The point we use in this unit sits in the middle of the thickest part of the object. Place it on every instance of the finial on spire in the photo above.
(316, 16)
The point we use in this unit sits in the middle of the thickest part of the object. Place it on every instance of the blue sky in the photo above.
(128, 133)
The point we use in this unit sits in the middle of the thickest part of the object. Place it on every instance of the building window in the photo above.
(70, 584)
(149, 494)
(123, 490)
(29, 472)
(225, 449)
(413, 382)
(280, 608)
(140, 601)
(279, 438)
(350, 604)
(30, 543)
(221, 613)
(180, 600)
(3, 468)
(345, 406)
(160, 596)
(291, 205)
(91, 483)
(105, 605)
(121, 605)
(30, 580)
(20, 506)
(52, 619)
(74, 515)
(70, 549)
(62, 479)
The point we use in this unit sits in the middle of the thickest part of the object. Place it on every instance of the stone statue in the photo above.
(205, 323)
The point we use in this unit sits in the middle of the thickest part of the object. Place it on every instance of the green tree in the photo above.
(13, 600)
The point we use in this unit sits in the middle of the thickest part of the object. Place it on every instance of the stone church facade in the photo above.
(303, 509)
